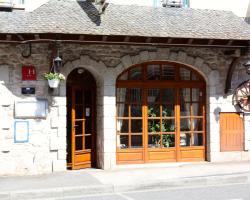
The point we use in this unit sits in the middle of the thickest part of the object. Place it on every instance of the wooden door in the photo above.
(231, 131)
(82, 129)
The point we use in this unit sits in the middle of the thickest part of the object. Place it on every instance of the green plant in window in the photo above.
(168, 140)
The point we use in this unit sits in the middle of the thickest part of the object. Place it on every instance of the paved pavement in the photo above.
(71, 184)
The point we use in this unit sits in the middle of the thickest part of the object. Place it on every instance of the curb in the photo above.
(80, 191)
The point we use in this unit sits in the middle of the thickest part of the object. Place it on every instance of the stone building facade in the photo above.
(47, 147)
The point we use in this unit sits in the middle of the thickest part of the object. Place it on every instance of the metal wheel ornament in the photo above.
(242, 96)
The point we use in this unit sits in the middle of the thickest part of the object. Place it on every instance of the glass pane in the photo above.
(88, 99)
(135, 95)
(168, 72)
(167, 110)
(135, 73)
(124, 76)
(168, 125)
(122, 141)
(153, 95)
(153, 72)
(122, 126)
(195, 94)
(168, 140)
(136, 141)
(153, 125)
(122, 94)
(154, 110)
(185, 139)
(78, 127)
(136, 110)
(136, 125)
(122, 110)
(197, 139)
(78, 111)
(88, 142)
(185, 109)
(197, 111)
(88, 125)
(79, 143)
(197, 124)
(154, 141)
(185, 74)
(79, 97)
(168, 95)
(195, 77)
(185, 94)
(185, 125)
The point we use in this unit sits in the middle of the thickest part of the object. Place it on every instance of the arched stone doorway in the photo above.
(81, 119)
(161, 109)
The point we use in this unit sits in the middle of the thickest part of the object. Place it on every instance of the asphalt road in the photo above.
(221, 192)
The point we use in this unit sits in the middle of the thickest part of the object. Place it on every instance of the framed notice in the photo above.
(21, 131)
(31, 109)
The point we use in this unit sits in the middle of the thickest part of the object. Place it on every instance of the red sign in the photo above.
(28, 73)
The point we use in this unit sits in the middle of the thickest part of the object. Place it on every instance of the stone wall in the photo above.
(46, 150)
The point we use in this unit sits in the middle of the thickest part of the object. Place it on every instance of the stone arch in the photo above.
(164, 54)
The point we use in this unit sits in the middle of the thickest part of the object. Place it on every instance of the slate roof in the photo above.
(81, 17)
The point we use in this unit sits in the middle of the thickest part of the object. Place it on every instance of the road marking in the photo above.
(125, 196)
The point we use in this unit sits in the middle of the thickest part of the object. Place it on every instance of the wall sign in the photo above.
(28, 90)
(28, 73)
(31, 109)
(21, 131)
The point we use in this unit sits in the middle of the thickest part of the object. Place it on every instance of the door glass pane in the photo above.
(122, 94)
(79, 97)
(195, 77)
(197, 139)
(185, 109)
(168, 140)
(168, 72)
(185, 139)
(136, 141)
(122, 126)
(136, 125)
(153, 125)
(153, 110)
(167, 110)
(154, 141)
(197, 124)
(153, 95)
(197, 111)
(135, 95)
(135, 73)
(168, 96)
(79, 111)
(122, 110)
(185, 125)
(88, 126)
(88, 98)
(88, 142)
(168, 125)
(79, 143)
(153, 72)
(185, 94)
(185, 74)
(195, 94)
(122, 141)
(136, 110)
(78, 127)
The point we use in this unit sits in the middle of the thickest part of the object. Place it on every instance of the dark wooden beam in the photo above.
(126, 39)
(37, 37)
(210, 42)
(169, 40)
(81, 37)
(8, 37)
(190, 41)
(104, 38)
(20, 37)
(148, 40)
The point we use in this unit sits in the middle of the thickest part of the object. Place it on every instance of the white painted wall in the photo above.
(239, 7)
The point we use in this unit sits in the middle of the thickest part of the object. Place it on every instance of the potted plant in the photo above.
(54, 78)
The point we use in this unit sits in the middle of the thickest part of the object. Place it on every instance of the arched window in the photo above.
(160, 113)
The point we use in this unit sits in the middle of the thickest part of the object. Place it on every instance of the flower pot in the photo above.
(53, 83)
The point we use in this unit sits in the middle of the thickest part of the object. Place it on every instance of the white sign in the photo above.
(31, 109)
(21, 131)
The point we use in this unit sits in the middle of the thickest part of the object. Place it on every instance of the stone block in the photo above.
(109, 90)
(59, 165)
(4, 75)
(190, 60)
(54, 122)
(109, 111)
(62, 110)
(144, 56)
(136, 59)
(181, 57)
(59, 101)
(107, 100)
(126, 61)
(61, 132)
(57, 143)
(163, 54)
(214, 78)
(119, 69)
(110, 77)
(109, 146)
(61, 155)
(152, 55)
(62, 122)
(109, 122)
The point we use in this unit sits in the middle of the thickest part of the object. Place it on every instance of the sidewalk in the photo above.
(123, 178)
